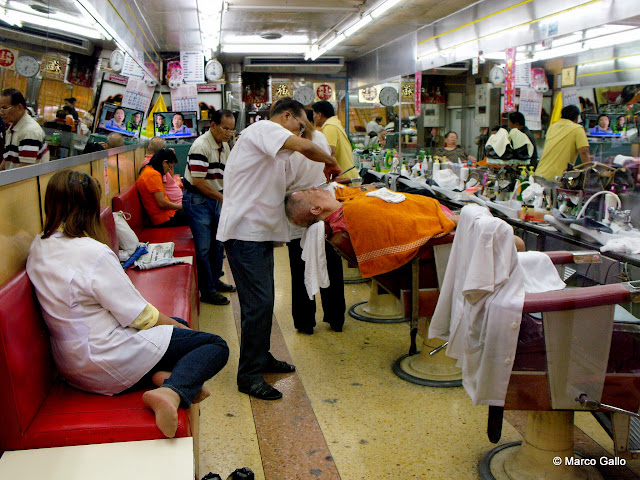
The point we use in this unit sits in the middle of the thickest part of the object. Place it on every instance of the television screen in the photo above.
(601, 125)
(175, 124)
(126, 121)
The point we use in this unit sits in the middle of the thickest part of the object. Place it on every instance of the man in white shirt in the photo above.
(373, 129)
(24, 141)
(252, 218)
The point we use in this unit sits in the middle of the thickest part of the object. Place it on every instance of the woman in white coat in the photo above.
(105, 337)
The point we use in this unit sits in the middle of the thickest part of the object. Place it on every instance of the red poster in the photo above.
(417, 97)
(8, 58)
(510, 81)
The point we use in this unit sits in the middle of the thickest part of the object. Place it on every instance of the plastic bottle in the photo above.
(436, 166)
(464, 176)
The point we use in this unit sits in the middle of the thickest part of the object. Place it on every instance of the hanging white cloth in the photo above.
(480, 305)
(540, 273)
(316, 275)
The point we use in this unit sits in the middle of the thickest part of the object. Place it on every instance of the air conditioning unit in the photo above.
(451, 69)
(50, 40)
(322, 65)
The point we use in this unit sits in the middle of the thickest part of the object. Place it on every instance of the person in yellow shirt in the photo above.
(324, 117)
(565, 140)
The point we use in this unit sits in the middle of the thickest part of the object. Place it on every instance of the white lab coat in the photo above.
(255, 186)
(88, 302)
(480, 305)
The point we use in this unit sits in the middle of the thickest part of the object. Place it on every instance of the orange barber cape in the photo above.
(384, 235)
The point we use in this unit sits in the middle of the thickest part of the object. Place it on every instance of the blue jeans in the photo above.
(204, 213)
(192, 358)
(252, 267)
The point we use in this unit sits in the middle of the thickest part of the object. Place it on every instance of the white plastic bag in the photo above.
(127, 238)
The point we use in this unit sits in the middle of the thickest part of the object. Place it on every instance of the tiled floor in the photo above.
(344, 414)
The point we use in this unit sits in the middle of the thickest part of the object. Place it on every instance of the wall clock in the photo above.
(496, 75)
(213, 70)
(27, 66)
(388, 96)
(116, 60)
(304, 94)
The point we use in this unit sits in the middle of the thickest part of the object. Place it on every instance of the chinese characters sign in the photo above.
(8, 57)
(325, 91)
(53, 67)
(281, 89)
(510, 81)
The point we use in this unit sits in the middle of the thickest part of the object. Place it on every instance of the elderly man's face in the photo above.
(10, 113)
(177, 122)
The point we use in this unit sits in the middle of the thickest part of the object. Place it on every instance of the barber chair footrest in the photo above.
(387, 314)
(494, 466)
(428, 371)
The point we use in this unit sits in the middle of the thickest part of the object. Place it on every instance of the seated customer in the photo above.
(160, 209)
(384, 235)
(172, 182)
(452, 151)
(59, 123)
(105, 338)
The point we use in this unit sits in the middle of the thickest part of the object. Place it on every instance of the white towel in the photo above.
(387, 195)
(499, 141)
(540, 275)
(622, 245)
(315, 259)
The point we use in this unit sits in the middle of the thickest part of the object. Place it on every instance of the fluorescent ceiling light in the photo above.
(91, 14)
(567, 39)
(10, 18)
(501, 57)
(382, 8)
(63, 26)
(358, 25)
(338, 38)
(614, 39)
(257, 39)
(279, 48)
(606, 30)
(558, 52)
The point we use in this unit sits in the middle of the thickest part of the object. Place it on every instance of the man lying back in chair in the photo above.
(386, 231)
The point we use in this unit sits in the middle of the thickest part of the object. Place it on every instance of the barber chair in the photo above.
(571, 356)
(351, 273)
(414, 285)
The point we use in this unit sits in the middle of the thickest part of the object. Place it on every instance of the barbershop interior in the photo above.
(452, 297)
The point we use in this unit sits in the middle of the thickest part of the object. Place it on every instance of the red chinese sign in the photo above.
(417, 98)
(324, 92)
(510, 81)
(8, 58)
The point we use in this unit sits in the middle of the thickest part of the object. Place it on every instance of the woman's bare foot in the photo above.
(159, 377)
(201, 395)
(164, 402)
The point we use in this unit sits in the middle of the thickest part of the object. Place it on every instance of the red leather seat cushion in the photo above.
(73, 417)
(169, 289)
(180, 236)
(129, 201)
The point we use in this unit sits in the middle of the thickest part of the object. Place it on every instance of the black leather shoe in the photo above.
(262, 390)
(335, 327)
(278, 366)
(225, 287)
(305, 330)
(214, 298)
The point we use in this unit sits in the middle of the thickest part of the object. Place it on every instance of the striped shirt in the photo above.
(25, 144)
(207, 160)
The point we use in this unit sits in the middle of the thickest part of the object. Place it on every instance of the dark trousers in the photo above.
(303, 309)
(179, 219)
(252, 267)
(192, 358)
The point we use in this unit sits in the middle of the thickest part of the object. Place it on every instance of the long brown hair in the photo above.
(72, 201)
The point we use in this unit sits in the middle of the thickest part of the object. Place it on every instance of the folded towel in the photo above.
(540, 275)
(387, 195)
(519, 139)
(622, 245)
(315, 259)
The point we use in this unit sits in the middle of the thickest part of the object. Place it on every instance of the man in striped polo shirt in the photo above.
(202, 201)
(24, 141)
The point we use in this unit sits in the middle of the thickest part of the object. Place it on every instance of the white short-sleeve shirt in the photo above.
(255, 186)
(88, 303)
